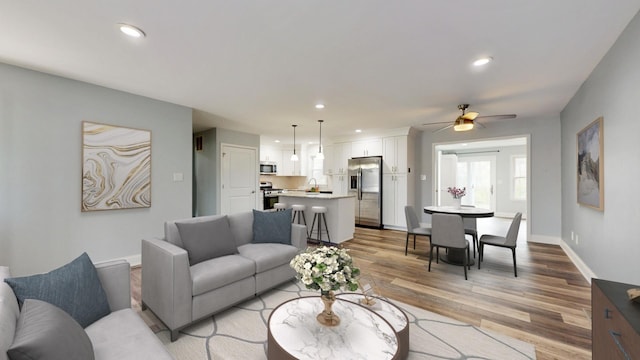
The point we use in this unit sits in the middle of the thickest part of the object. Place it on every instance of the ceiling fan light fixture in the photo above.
(482, 61)
(462, 124)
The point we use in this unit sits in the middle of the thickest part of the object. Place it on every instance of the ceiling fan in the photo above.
(467, 120)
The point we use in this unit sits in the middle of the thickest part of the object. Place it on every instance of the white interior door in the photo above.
(478, 175)
(447, 170)
(239, 187)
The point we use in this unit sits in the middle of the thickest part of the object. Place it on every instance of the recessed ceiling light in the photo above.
(482, 61)
(131, 30)
(319, 106)
(358, 130)
(277, 141)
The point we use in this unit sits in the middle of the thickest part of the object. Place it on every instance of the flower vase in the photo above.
(457, 203)
(327, 317)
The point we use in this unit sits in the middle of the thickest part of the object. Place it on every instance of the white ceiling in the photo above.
(260, 66)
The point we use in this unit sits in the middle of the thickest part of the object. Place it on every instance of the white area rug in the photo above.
(241, 333)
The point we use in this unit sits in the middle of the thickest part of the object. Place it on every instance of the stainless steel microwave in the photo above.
(268, 168)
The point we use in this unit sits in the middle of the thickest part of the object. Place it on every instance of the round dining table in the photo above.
(454, 256)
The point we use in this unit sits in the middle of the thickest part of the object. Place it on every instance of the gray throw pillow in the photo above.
(207, 239)
(272, 227)
(44, 331)
(74, 288)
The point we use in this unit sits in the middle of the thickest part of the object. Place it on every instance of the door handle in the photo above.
(491, 189)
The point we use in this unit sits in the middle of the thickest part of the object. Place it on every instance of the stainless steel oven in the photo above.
(270, 196)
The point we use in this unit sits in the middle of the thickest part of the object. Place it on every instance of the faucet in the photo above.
(315, 187)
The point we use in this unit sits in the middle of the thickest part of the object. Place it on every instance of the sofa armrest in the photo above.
(166, 282)
(115, 277)
(299, 236)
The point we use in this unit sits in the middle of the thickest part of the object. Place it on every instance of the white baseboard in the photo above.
(133, 260)
(577, 261)
(542, 239)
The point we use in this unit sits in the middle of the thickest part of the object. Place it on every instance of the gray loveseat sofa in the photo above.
(120, 335)
(180, 292)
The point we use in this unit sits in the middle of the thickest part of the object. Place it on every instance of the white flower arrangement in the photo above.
(326, 268)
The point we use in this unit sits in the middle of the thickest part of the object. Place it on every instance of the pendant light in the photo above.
(294, 157)
(320, 155)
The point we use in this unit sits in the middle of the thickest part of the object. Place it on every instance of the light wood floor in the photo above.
(548, 304)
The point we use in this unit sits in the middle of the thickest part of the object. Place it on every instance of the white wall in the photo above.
(41, 225)
(544, 217)
(608, 241)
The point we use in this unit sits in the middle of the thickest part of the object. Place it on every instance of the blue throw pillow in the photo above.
(74, 288)
(272, 227)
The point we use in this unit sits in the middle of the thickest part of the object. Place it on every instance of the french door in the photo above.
(478, 175)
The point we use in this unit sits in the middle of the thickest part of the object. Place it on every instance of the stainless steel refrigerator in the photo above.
(365, 182)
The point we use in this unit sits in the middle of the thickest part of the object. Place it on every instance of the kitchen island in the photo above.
(340, 211)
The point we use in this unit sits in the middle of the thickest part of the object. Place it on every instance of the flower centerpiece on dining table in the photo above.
(326, 268)
(457, 194)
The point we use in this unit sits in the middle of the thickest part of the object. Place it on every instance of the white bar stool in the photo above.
(319, 213)
(298, 210)
(280, 206)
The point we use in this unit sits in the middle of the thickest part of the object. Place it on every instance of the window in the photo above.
(317, 171)
(519, 176)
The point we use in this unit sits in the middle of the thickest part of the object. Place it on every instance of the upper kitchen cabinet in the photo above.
(270, 153)
(395, 149)
(341, 156)
(370, 147)
(289, 167)
(327, 163)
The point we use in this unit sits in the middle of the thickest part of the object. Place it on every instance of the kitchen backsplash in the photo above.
(291, 182)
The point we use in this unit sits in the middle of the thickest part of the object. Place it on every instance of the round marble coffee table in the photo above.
(294, 332)
(390, 312)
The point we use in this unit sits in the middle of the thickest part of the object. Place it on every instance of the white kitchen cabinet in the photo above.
(340, 184)
(287, 166)
(341, 156)
(270, 153)
(394, 199)
(394, 155)
(370, 147)
(327, 163)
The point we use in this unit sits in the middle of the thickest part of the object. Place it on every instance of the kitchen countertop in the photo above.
(310, 195)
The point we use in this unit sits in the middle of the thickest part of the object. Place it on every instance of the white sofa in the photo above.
(180, 294)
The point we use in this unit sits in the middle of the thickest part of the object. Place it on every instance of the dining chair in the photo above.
(510, 241)
(447, 232)
(413, 227)
(471, 228)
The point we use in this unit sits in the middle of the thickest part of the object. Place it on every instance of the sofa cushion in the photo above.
(268, 255)
(123, 335)
(207, 239)
(215, 273)
(241, 225)
(74, 288)
(44, 331)
(272, 227)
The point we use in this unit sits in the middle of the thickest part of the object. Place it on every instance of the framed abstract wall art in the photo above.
(116, 167)
(590, 172)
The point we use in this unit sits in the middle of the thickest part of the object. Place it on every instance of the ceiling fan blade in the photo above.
(470, 115)
(498, 117)
(437, 123)
(476, 122)
(444, 128)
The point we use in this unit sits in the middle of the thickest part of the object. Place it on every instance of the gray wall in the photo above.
(207, 169)
(608, 242)
(544, 157)
(41, 225)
